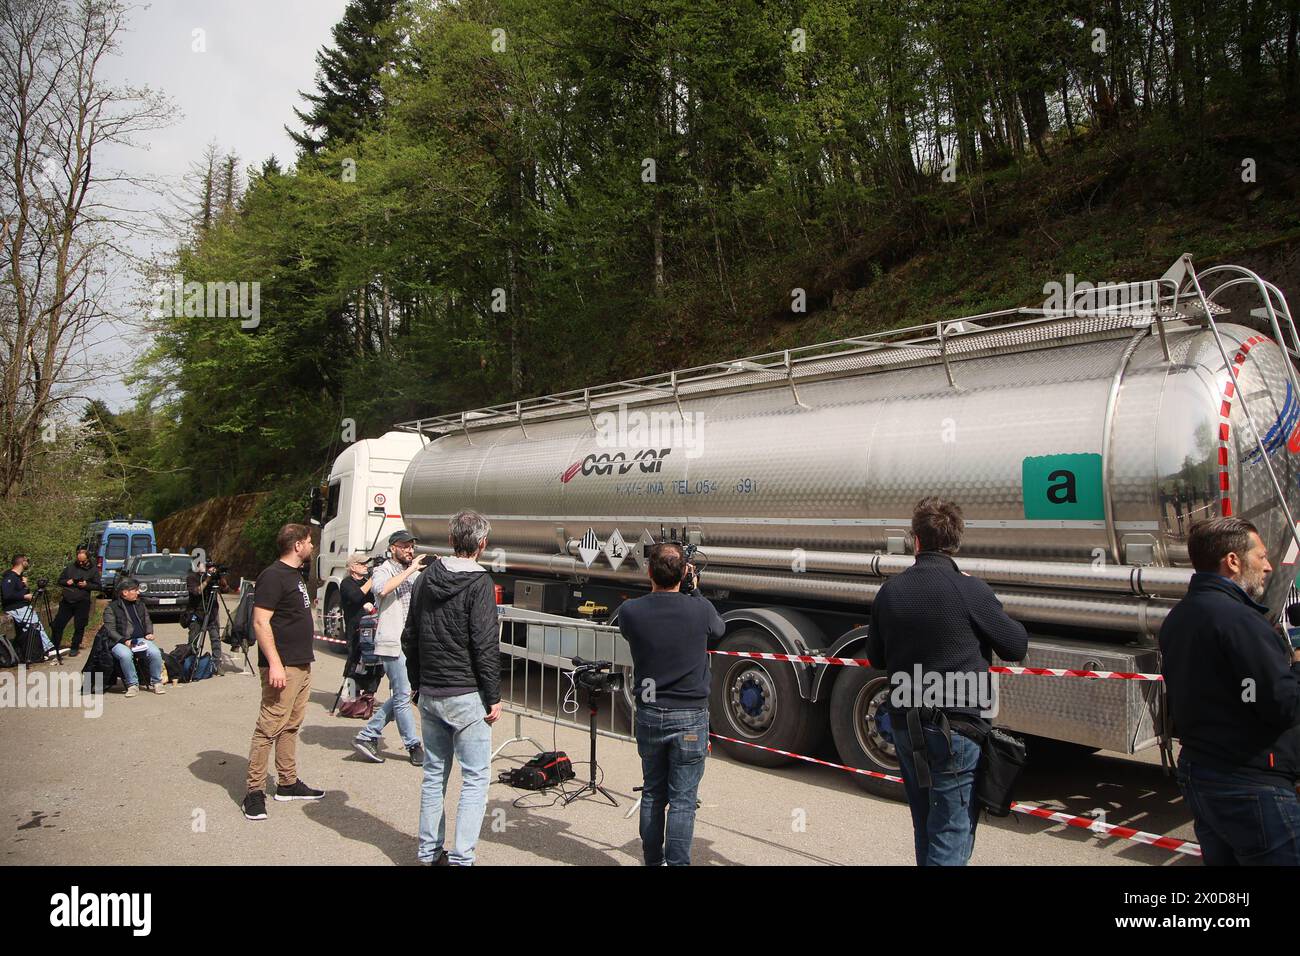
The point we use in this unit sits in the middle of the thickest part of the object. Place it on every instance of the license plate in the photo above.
(167, 600)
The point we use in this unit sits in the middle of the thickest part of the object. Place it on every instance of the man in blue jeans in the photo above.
(130, 632)
(16, 599)
(935, 625)
(392, 584)
(454, 658)
(1233, 686)
(668, 631)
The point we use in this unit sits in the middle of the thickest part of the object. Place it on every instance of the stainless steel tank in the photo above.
(1070, 441)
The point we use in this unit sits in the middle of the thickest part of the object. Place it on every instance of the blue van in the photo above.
(113, 541)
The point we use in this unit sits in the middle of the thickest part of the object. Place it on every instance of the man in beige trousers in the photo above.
(283, 626)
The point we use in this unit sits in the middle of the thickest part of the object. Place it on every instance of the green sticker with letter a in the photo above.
(1063, 486)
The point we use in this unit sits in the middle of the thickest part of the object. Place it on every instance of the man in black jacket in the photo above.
(130, 632)
(933, 630)
(453, 660)
(1234, 698)
(79, 580)
(669, 632)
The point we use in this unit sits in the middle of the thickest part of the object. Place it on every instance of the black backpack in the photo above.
(27, 642)
(183, 667)
(548, 769)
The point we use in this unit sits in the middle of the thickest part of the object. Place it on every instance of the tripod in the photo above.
(591, 787)
(210, 602)
(44, 595)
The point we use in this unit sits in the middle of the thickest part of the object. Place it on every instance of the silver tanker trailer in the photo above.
(1081, 441)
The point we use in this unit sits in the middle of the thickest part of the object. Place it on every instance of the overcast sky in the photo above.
(240, 91)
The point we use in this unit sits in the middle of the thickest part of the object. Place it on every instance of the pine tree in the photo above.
(368, 41)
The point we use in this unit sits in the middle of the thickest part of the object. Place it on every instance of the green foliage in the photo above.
(64, 493)
(474, 218)
(282, 506)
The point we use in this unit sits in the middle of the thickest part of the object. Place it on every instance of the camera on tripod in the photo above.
(595, 677)
(42, 584)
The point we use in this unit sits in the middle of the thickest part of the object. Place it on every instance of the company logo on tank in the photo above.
(650, 461)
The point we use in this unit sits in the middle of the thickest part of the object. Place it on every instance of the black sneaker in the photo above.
(440, 859)
(255, 805)
(417, 756)
(367, 749)
(298, 791)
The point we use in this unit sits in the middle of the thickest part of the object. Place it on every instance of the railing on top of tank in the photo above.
(1172, 296)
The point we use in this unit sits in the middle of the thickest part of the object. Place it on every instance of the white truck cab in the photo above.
(357, 510)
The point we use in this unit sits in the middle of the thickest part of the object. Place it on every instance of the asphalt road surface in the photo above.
(158, 779)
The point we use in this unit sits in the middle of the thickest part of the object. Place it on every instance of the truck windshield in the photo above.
(176, 565)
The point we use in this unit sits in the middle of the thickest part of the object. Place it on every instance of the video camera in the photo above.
(690, 548)
(595, 677)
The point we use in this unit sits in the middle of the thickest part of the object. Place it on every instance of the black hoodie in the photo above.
(450, 639)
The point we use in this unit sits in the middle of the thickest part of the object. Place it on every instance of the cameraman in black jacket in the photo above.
(1234, 698)
(453, 659)
(205, 615)
(934, 623)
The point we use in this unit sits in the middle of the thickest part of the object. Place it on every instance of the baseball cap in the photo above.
(400, 535)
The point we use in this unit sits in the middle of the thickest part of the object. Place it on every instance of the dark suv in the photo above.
(162, 582)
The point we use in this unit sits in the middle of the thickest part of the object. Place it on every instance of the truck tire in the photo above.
(860, 743)
(759, 702)
(332, 619)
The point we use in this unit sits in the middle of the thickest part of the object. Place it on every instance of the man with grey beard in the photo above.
(1234, 698)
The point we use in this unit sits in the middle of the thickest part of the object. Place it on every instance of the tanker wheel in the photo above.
(759, 702)
(855, 702)
(332, 619)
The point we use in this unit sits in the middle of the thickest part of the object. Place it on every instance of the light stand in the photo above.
(591, 787)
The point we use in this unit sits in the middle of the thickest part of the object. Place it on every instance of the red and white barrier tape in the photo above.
(1067, 672)
(1085, 823)
(798, 658)
(330, 640)
(998, 669)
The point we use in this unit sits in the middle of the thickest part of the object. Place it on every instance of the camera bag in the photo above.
(548, 769)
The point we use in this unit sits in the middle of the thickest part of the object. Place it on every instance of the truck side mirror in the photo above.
(317, 505)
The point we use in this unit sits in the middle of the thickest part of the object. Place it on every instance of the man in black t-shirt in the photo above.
(283, 626)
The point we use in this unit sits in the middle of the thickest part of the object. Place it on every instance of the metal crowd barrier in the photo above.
(536, 661)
